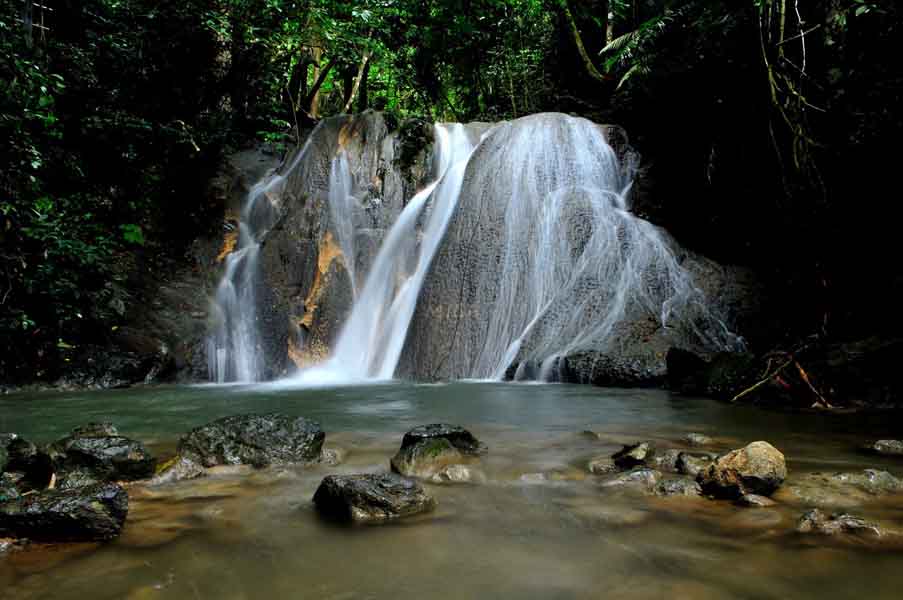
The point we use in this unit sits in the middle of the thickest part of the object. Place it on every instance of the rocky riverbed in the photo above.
(524, 495)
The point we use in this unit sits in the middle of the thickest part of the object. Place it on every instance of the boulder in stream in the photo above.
(28, 467)
(258, 440)
(91, 513)
(371, 498)
(693, 464)
(634, 455)
(681, 486)
(640, 478)
(95, 453)
(429, 451)
(758, 468)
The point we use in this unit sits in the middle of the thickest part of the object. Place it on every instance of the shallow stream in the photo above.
(539, 527)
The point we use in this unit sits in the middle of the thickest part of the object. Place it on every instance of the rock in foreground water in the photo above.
(633, 456)
(815, 521)
(681, 486)
(758, 468)
(371, 498)
(96, 453)
(92, 513)
(258, 440)
(431, 451)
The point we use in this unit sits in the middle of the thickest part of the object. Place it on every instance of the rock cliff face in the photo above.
(306, 287)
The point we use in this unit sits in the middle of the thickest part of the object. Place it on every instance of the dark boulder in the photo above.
(634, 455)
(371, 498)
(460, 438)
(92, 513)
(96, 453)
(758, 468)
(429, 451)
(258, 440)
(32, 466)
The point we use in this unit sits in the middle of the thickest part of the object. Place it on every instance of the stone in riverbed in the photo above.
(666, 460)
(758, 468)
(258, 440)
(371, 498)
(840, 490)
(92, 513)
(429, 451)
(693, 464)
(639, 478)
(697, 439)
(601, 465)
(755, 501)
(177, 469)
(682, 486)
(886, 447)
(815, 521)
(95, 453)
(32, 466)
(634, 455)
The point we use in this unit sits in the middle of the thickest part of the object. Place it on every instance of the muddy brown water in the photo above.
(539, 527)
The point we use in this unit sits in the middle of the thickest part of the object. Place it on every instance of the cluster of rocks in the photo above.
(749, 477)
(74, 488)
(438, 453)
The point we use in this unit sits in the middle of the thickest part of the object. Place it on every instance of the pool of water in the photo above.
(539, 527)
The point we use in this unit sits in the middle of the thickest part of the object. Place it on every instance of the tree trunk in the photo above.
(591, 69)
(313, 97)
(27, 21)
(357, 81)
(363, 97)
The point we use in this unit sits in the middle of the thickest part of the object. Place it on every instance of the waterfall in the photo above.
(522, 250)
(371, 339)
(233, 346)
(544, 258)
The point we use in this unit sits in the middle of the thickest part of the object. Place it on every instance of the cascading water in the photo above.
(521, 251)
(233, 347)
(371, 340)
(543, 258)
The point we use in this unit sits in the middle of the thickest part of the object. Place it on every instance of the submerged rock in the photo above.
(886, 447)
(758, 468)
(601, 465)
(693, 464)
(92, 513)
(697, 439)
(177, 469)
(258, 440)
(678, 487)
(840, 489)
(815, 521)
(642, 478)
(755, 501)
(97, 452)
(429, 451)
(634, 455)
(666, 460)
(371, 498)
